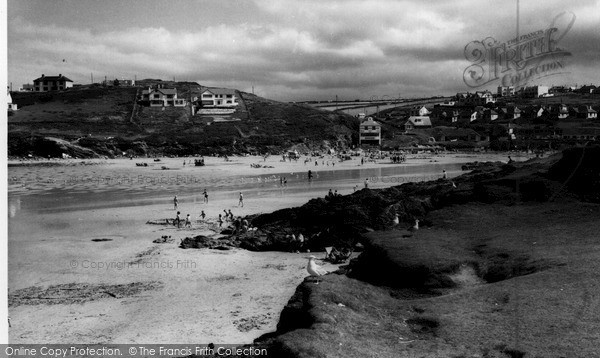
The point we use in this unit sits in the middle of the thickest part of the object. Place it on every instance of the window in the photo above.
(207, 96)
(156, 96)
(229, 96)
(45, 88)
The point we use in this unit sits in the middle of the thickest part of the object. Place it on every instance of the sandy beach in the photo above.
(83, 228)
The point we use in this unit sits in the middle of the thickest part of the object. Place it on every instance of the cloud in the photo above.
(304, 49)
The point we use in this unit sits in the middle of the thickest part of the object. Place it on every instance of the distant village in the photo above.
(530, 117)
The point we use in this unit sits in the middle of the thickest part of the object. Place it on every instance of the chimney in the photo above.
(42, 75)
(59, 75)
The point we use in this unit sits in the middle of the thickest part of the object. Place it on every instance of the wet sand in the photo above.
(205, 295)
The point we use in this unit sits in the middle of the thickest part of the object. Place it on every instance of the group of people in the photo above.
(332, 194)
(398, 158)
(296, 242)
(177, 221)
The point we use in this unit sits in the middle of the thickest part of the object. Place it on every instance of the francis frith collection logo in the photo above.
(520, 60)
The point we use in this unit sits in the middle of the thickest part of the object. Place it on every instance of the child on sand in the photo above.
(178, 219)
(188, 221)
(175, 203)
(205, 196)
(202, 215)
(241, 202)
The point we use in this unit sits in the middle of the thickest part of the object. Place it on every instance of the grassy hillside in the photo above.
(108, 121)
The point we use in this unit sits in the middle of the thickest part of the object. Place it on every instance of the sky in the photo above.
(291, 50)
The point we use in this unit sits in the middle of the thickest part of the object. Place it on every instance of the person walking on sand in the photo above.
(205, 196)
(175, 203)
(188, 221)
(178, 220)
(220, 220)
(241, 201)
(202, 215)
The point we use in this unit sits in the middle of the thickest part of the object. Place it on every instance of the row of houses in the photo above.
(153, 97)
(209, 97)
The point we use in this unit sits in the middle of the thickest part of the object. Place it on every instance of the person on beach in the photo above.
(230, 214)
(175, 203)
(310, 175)
(300, 242)
(367, 183)
(202, 215)
(444, 175)
(220, 220)
(226, 217)
(241, 200)
(205, 196)
(316, 163)
(178, 220)
(188, 221)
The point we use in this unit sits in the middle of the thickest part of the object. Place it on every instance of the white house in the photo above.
(162, 97)
(589, 112)
(534, 91)
(51, 83)
(218, 97)
(563, 111)
(370, 132)
(419, 111)
(417, 122)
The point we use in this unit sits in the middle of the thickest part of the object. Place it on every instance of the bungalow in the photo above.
(51, 83)
(588, 112)
(162, 97)
(541, 112)
(218, 97)
(490, 115)
(419, 111)
(563, 111)
(513, 112)
(417, 122)
(370, 132)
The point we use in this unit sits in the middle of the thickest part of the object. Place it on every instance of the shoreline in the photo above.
(36, 233)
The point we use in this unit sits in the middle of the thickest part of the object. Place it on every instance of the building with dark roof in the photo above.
(162, 97)
(51, 83)
(218, 97)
